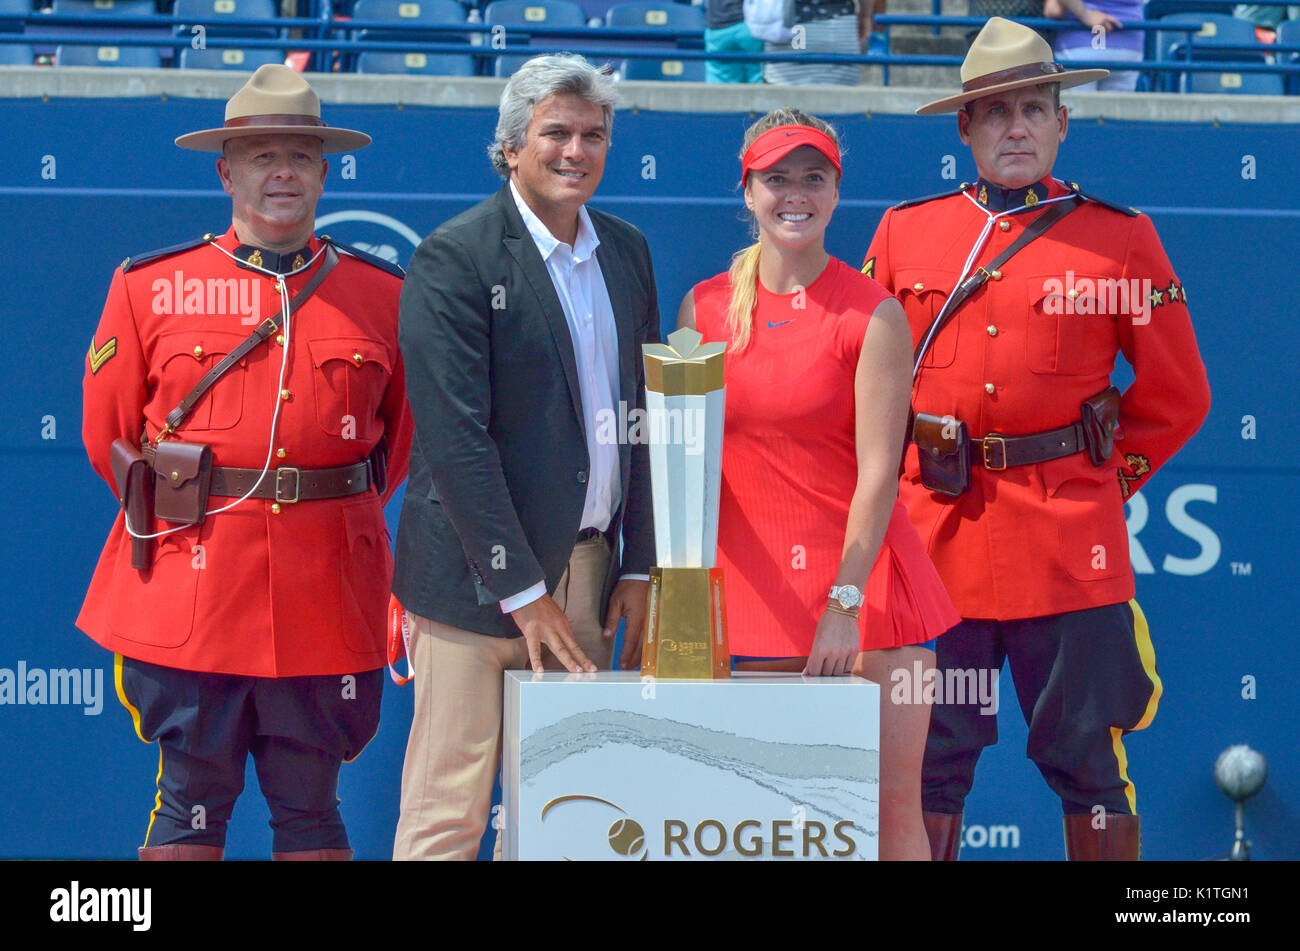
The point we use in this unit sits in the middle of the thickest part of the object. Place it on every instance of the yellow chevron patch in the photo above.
(98, 356)
(869, 267)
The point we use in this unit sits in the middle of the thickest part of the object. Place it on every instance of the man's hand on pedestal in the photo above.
(629, 600)
(542, 622)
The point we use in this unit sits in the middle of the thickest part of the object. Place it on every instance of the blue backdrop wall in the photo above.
(85, 183)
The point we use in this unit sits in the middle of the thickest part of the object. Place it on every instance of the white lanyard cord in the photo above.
(974, 252)
(275, 415)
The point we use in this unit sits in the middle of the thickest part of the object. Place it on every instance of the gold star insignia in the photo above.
(984, 195)
(1172, 291)
(869, 267)
(298, 261)
(255, 259)
(1157, 298)
(1031, 198)
(98, 356)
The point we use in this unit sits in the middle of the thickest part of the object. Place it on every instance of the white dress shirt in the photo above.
(580, 286)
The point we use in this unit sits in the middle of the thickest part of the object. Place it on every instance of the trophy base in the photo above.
(686, 631)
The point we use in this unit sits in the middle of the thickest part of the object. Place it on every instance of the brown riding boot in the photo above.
(314, 855)
(944, 832)
(181, 852)
(1119, 841)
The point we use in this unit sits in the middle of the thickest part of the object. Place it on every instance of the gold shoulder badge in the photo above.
(98, 356)
(869, 267)
(1140, 465)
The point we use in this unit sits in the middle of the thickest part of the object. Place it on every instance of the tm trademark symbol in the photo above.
(1240, 567)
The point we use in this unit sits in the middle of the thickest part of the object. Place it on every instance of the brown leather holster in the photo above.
(943, 448)
(1100, 415)
(134, 481)
(182, 478)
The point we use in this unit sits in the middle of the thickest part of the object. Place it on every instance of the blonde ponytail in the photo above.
(744, 296)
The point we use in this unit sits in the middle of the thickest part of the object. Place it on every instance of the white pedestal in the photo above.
(608, 767)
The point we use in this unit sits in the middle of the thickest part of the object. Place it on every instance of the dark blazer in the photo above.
(499, 464)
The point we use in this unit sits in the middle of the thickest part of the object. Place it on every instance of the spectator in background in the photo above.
(828, 26)
(726, 32)
(1266, 19)
(1103, 41)
(1011, 9)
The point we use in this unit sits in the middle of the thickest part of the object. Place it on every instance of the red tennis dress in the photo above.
(789, 468)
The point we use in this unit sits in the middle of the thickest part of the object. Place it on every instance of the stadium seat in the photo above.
(107, 8)
(412, 14)
(16, 54)
(136, 57)
(651, 16)
(661, 16)
(516, 13)
(229, 58)
(1256, 84)
(14, 9)
(208, 10)
(409, 13)
(1217, 29)
(417, 63)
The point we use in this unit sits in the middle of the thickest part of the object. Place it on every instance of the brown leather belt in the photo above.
(996, 452)
(289, 484)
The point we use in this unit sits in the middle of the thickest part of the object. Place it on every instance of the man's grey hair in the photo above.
(538, 80)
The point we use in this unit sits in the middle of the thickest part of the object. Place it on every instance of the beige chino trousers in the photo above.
(454, 749)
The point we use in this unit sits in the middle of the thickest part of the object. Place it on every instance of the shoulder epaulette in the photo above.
(921, 201)
(138, 259)
(372, 259)
(1122, 209)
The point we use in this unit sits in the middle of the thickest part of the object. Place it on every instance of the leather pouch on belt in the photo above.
(182, 477)
(1100, 416)
(134, 482)
(943, 448)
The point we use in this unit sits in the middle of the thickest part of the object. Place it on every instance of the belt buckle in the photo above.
(297, 480)
(1001, 443)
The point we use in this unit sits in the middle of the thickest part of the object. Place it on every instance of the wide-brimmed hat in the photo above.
(1006, 55)
(274, 101)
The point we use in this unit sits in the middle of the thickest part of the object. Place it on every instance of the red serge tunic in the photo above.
(789, 469)
(262, 590)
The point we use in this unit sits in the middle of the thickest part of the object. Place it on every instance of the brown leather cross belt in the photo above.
(995, 452)
(288, 484)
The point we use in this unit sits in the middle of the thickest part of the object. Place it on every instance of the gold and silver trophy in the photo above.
(686, 636)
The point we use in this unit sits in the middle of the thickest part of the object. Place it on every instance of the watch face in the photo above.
(848, 596)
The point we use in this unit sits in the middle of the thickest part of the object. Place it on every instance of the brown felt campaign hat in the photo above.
(274, 101)
(1004, 56)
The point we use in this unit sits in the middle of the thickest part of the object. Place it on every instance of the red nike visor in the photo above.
(775, 144)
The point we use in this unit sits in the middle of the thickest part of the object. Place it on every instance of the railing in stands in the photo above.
(318, 35)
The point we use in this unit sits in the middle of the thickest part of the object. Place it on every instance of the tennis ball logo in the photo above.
(626, 837)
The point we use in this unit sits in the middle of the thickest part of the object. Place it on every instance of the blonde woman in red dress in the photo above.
(825, 573)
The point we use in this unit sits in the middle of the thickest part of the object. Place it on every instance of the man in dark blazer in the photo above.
(522, 322)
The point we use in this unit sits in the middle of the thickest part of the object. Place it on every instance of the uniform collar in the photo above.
(251, 257)
(998, 199)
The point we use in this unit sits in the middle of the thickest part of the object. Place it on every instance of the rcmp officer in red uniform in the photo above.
(249, 615)
(1023, 454)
